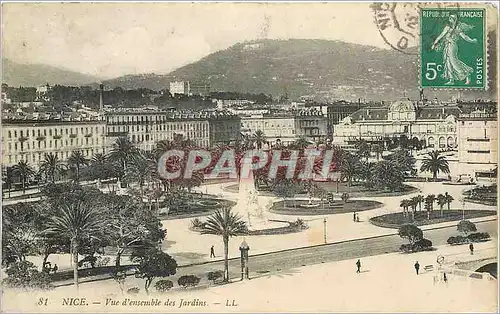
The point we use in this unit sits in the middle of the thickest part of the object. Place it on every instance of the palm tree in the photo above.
(99, 167)
(122, 153)
(76, 218)
(430, 201)
(435, 163)
(51, 166)
(301, 143)
(76, 161)
(141, 171)
(448, 199)
(404, 204)
(441, 201)
(24, 171)
(259, 138)
(363, 149)
(349, 166)
(413, 204)
(420, 199)
(226, 224)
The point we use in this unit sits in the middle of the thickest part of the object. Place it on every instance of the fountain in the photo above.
(250, 206)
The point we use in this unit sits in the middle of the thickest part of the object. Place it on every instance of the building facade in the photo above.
(478, 141)
(179, 87)
(434, 125)
(30, 139)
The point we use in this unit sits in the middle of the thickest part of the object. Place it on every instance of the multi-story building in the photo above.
(199, 88)
(145, 128)
(477, 141)
(276, 127)
(30, 137)
(311, 123)
(434, 125)
(287, 126)
(180, 87)
(336, 112)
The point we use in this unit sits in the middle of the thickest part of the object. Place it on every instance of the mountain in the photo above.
(295, 67)
(17, 74)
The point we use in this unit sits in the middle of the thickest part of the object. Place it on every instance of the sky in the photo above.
(114, 39)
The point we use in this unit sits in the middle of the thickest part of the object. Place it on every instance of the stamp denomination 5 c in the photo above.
(453, 48)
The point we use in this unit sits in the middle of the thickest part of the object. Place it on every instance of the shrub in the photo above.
(406, 248)
(299, 223)
(465, 226)
(422, 245)
(214, 275)
(188, 281)
(163, 285)
(345, 197)
(25, 275)
(478, 236)
(133, 290)
(456, 240)
(196, 223)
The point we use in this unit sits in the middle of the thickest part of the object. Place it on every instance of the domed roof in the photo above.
(402, 106)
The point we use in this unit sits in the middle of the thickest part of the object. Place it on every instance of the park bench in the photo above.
(428, 267)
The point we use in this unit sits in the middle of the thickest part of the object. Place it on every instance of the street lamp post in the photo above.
(463, 208)
(324, 228)
(244, 248)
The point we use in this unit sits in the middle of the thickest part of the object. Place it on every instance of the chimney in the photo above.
(101, 91)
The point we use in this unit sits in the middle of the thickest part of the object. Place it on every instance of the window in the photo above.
(15, 133)
(21, 133)
(32, 132)
(10, 136)
(66, 131)
(44, 132)
(50, 132)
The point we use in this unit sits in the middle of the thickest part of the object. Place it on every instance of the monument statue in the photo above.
(249, 205)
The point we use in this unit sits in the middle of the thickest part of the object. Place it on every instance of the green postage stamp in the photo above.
(453, 48)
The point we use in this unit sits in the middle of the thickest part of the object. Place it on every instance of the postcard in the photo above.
(249, 157)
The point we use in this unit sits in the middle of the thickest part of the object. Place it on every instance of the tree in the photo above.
(410, 232)
(122, 153)
(8, 178)
(23, 274)
(100, 168)
(78, 217)
(131, 225)
(404, 204)
(387, 174)
(377, 149)
(403, 159)
(225, 223)
(441, 201)
(24, 171)
(448, 199)
(349, 166)
(413, 202)
(259, 138)
(420, 199)
(466, 226)
(435, 164)
(301, 143)
(363, 149)
(141, 171)
(76, 161)
(51, 166)
(154, 263)
(429, 201)
(19, 232)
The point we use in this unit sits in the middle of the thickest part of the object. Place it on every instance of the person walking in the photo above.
(212, 252)
(358, 265)
(354, 217)
(417, 266)
(471, 248)
(55, 268)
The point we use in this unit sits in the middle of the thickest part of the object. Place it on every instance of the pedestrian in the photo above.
(358, 265)
(357, 217)
(471, 248)
(354, 217)
(212, 252)
(417, 266)
(55, 268)
(445, 278)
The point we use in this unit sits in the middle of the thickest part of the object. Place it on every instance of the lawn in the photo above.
(395, 220)
(200, 207)
(338, 207)
(358, 190)
(486, 195)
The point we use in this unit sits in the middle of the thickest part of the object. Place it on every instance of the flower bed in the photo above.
(326, 209)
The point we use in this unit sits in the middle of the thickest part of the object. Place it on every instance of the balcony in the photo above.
(117, 134)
